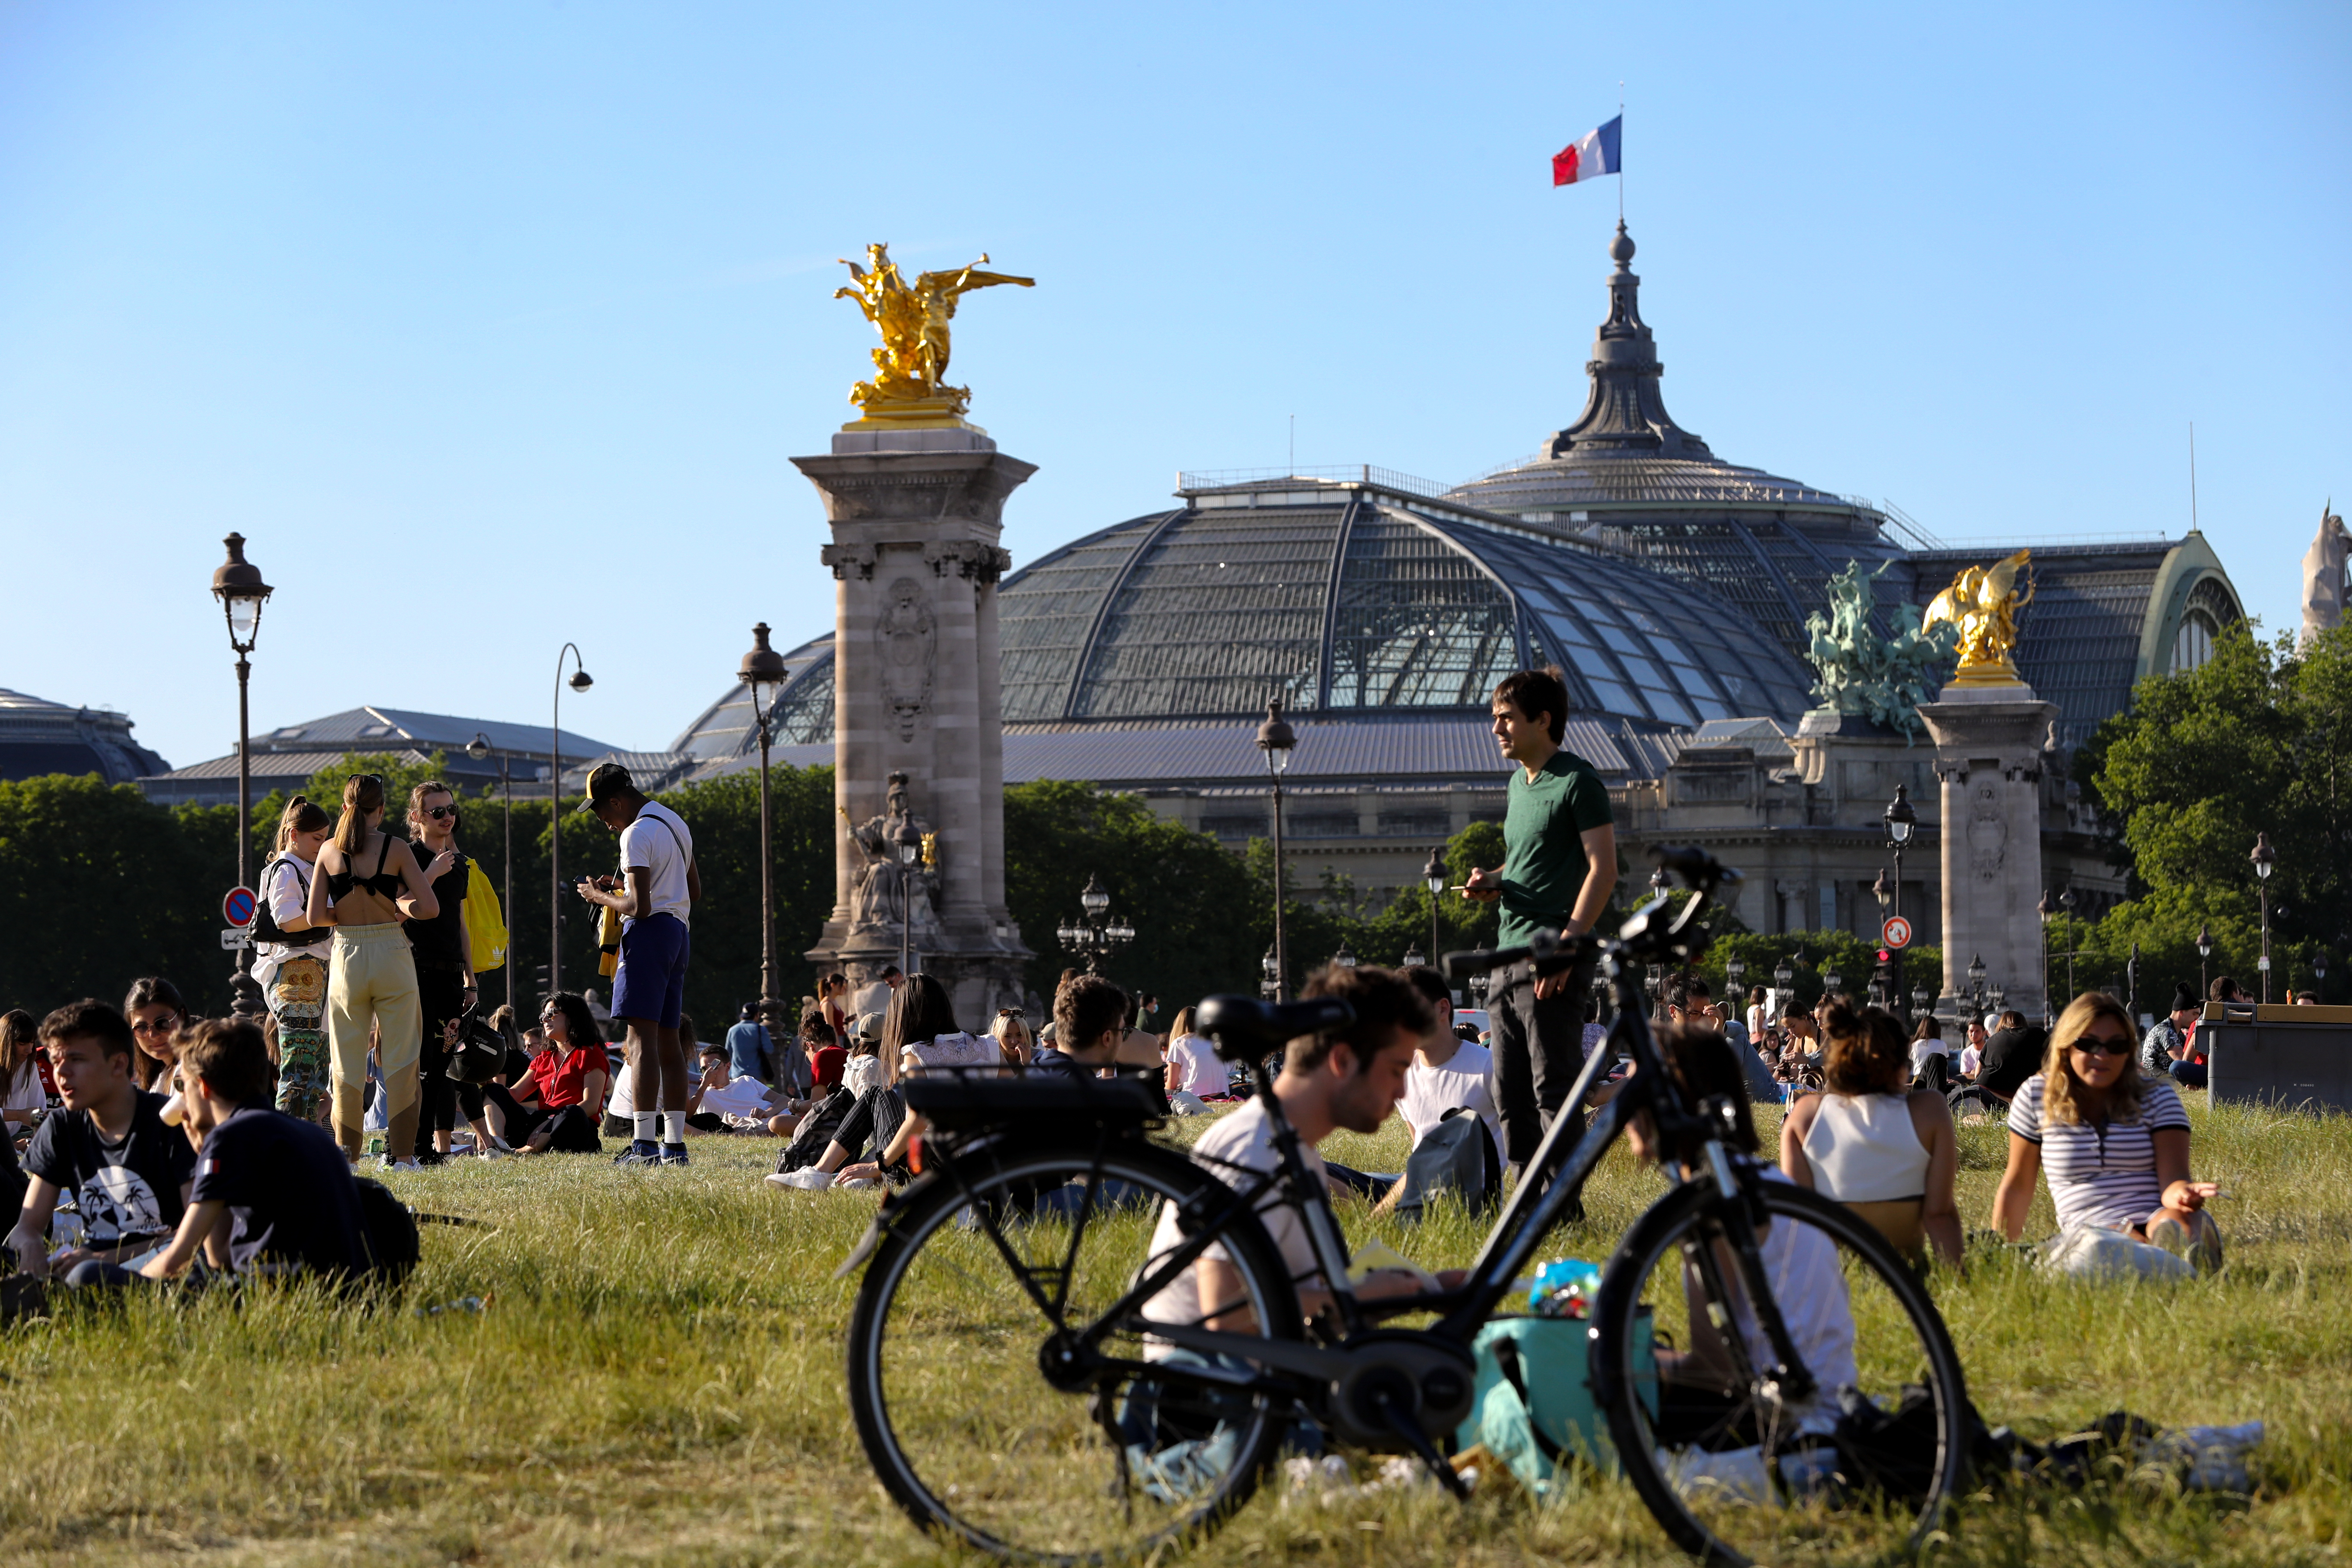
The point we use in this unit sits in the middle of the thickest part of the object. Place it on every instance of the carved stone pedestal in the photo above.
(1989, 743)
(916, 515)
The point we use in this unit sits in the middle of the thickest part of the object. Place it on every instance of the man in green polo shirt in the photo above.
(1558, 871)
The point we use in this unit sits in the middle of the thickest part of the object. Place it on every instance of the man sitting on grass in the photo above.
(108, 1149)
(273, 1195)
(1089, 1025)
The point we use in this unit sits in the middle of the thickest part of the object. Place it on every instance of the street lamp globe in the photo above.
(1275, 737)
(1900, 818)
(1343, 958)
(1833, 981)
(1094, 899)
(1413, 957)
(2204, 941)
(1272, 969)
(1432, 876)
(1976, 974)
(581, 680)
(479, 748)
(1783, 977)
(2265, 858)
(237, 584)
(909, 843)
(762, 670)
(1733, 972)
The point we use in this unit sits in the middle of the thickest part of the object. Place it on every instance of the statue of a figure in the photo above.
(1983, 602)
(2323, 575)
(911, 367)
(886, 885)
(1858, 672)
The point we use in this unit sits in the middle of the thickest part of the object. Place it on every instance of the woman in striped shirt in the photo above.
(2114, 1142)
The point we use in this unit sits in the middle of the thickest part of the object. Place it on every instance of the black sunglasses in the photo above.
(440, 812)
(2101, 1045)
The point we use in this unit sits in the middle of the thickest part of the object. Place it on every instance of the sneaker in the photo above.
(639, 1153)
(808, 1179)
(673, 1154)
(492, 1152)
(389, 1164)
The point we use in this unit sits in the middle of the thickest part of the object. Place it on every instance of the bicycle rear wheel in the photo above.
(1734, 1472)
(954, 1337)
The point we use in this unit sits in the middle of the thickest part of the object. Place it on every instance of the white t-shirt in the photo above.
(1245, 1139)
(1971, 1058)
(2103, 1176)
(23, 1092)
(860, 1073)
(1922, 1050)
(660, 841)
(1199, 1071)
(288, 891)
(1801, 1263)
(1466, 1079)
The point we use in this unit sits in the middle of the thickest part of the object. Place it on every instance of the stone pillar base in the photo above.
(1989, 744)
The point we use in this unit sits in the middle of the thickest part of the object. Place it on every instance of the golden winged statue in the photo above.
(1982, 602)
(909, 385)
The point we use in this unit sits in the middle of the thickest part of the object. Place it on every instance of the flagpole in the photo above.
(1621, 152)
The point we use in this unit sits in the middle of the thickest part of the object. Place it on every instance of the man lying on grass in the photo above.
(272, 1195)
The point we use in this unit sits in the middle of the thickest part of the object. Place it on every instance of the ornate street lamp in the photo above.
(1977, 986)
(580, 681)
(2045, 909)
(1413, 958)
(910, 845)
(1733, 972)
(762, 673)
(1276, 738)
(1271, 985)
(237, 584)
(1433, 877)
(1784, 985)
(2131, 983)
(1095, 934)
(2265, 860)
(2204, 952)
(479, 748)
(1833, 981)
(1343, 958)
(2067, 900)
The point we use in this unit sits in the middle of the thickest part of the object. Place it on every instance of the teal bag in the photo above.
(1546, 1364)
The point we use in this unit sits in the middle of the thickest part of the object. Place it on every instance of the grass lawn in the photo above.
(657, 1378)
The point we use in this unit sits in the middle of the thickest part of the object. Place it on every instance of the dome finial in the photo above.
(1621, 249)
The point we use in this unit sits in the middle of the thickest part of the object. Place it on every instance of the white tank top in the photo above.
(1864, 1150)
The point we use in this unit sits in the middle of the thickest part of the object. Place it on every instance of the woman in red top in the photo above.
(559, 1102)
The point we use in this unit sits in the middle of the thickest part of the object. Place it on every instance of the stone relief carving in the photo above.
(909, 636)
(1988, 831)
(969, 559)
(847, 558)
(884, 885)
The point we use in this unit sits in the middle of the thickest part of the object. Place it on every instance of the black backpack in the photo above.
(1455, 1156)
(265, 924)
(388, 1231)
(816, 1130)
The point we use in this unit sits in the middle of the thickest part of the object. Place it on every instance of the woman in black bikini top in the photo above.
(371, 975)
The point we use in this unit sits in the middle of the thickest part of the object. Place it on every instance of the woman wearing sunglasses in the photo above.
(446, 983)
(2113, 1141)
(157, 1013)
(368, 883)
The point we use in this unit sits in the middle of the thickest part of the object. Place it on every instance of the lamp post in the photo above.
(1977, 986)
(1733, 971)
(1784, 982)
(2204, 952)
(1433, 877)
(2067, 900)
(1270, 986)
(2131, 984)
(479, 748)
(762, 674)
(237, 584)
(1095, 934)
(1276, 738)
(2265, 860)
(1901, 821)
(910, 845)
(2043, 910)
(1413, 957)
(1343, 958)
(580, 681)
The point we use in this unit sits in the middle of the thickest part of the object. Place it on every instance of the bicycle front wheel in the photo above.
(973, 1422)
(1735, 1469)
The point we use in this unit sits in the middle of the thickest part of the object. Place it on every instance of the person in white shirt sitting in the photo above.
(1194, 1065)
(1447, 1071)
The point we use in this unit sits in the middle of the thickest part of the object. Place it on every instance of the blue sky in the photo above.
(493, 327)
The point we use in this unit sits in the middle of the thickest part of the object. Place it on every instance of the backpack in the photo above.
(1534, 1410)
(486, 923)
(265, 923)
(1456, 1156)
(388, 1232)
(816, 1130)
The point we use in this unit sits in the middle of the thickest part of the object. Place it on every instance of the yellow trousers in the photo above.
(373, 982)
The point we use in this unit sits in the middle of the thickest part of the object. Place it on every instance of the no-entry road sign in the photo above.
(238, 907)
(1896, 932)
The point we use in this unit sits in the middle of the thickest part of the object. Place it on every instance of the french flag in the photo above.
(1590, 156)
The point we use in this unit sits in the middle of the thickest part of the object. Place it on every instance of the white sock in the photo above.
(676, 1119)
(648, 1130)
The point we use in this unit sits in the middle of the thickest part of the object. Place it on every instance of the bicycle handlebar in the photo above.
(1249, 1030)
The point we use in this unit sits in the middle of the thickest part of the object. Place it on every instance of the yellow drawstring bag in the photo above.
(486, 923)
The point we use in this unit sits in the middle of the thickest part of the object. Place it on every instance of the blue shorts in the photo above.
(650, 984)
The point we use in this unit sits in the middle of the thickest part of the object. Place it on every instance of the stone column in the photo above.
(916, 516)
(1989, 741)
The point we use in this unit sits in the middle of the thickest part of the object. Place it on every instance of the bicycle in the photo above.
(1012, 1392)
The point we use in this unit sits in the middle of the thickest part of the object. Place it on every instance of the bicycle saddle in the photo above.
(1248, 1031)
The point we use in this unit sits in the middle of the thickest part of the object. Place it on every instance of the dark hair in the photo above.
(232, 1058)
(1866, 1052)
(919, 1011)
(1928, 1029)
(888, 970)
(362, 793)
(2010, 1018)
(579, 1024)
(1383, 1000)
(302, 814)
(685, 1027)
(19, 1038)
(152, 990)
(2225, 989)
(1688, 986)
(1430, 982)
(416, 804)
(1704, 1067)
(90, 1019)
(814, 1028)
(1084, 1010)
(1758, 994)
(1534, 691)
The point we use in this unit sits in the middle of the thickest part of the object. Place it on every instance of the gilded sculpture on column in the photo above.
(1982, 602)
(909, 385)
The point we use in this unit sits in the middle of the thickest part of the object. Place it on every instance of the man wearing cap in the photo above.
(2166, 1040)
(649, 986)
